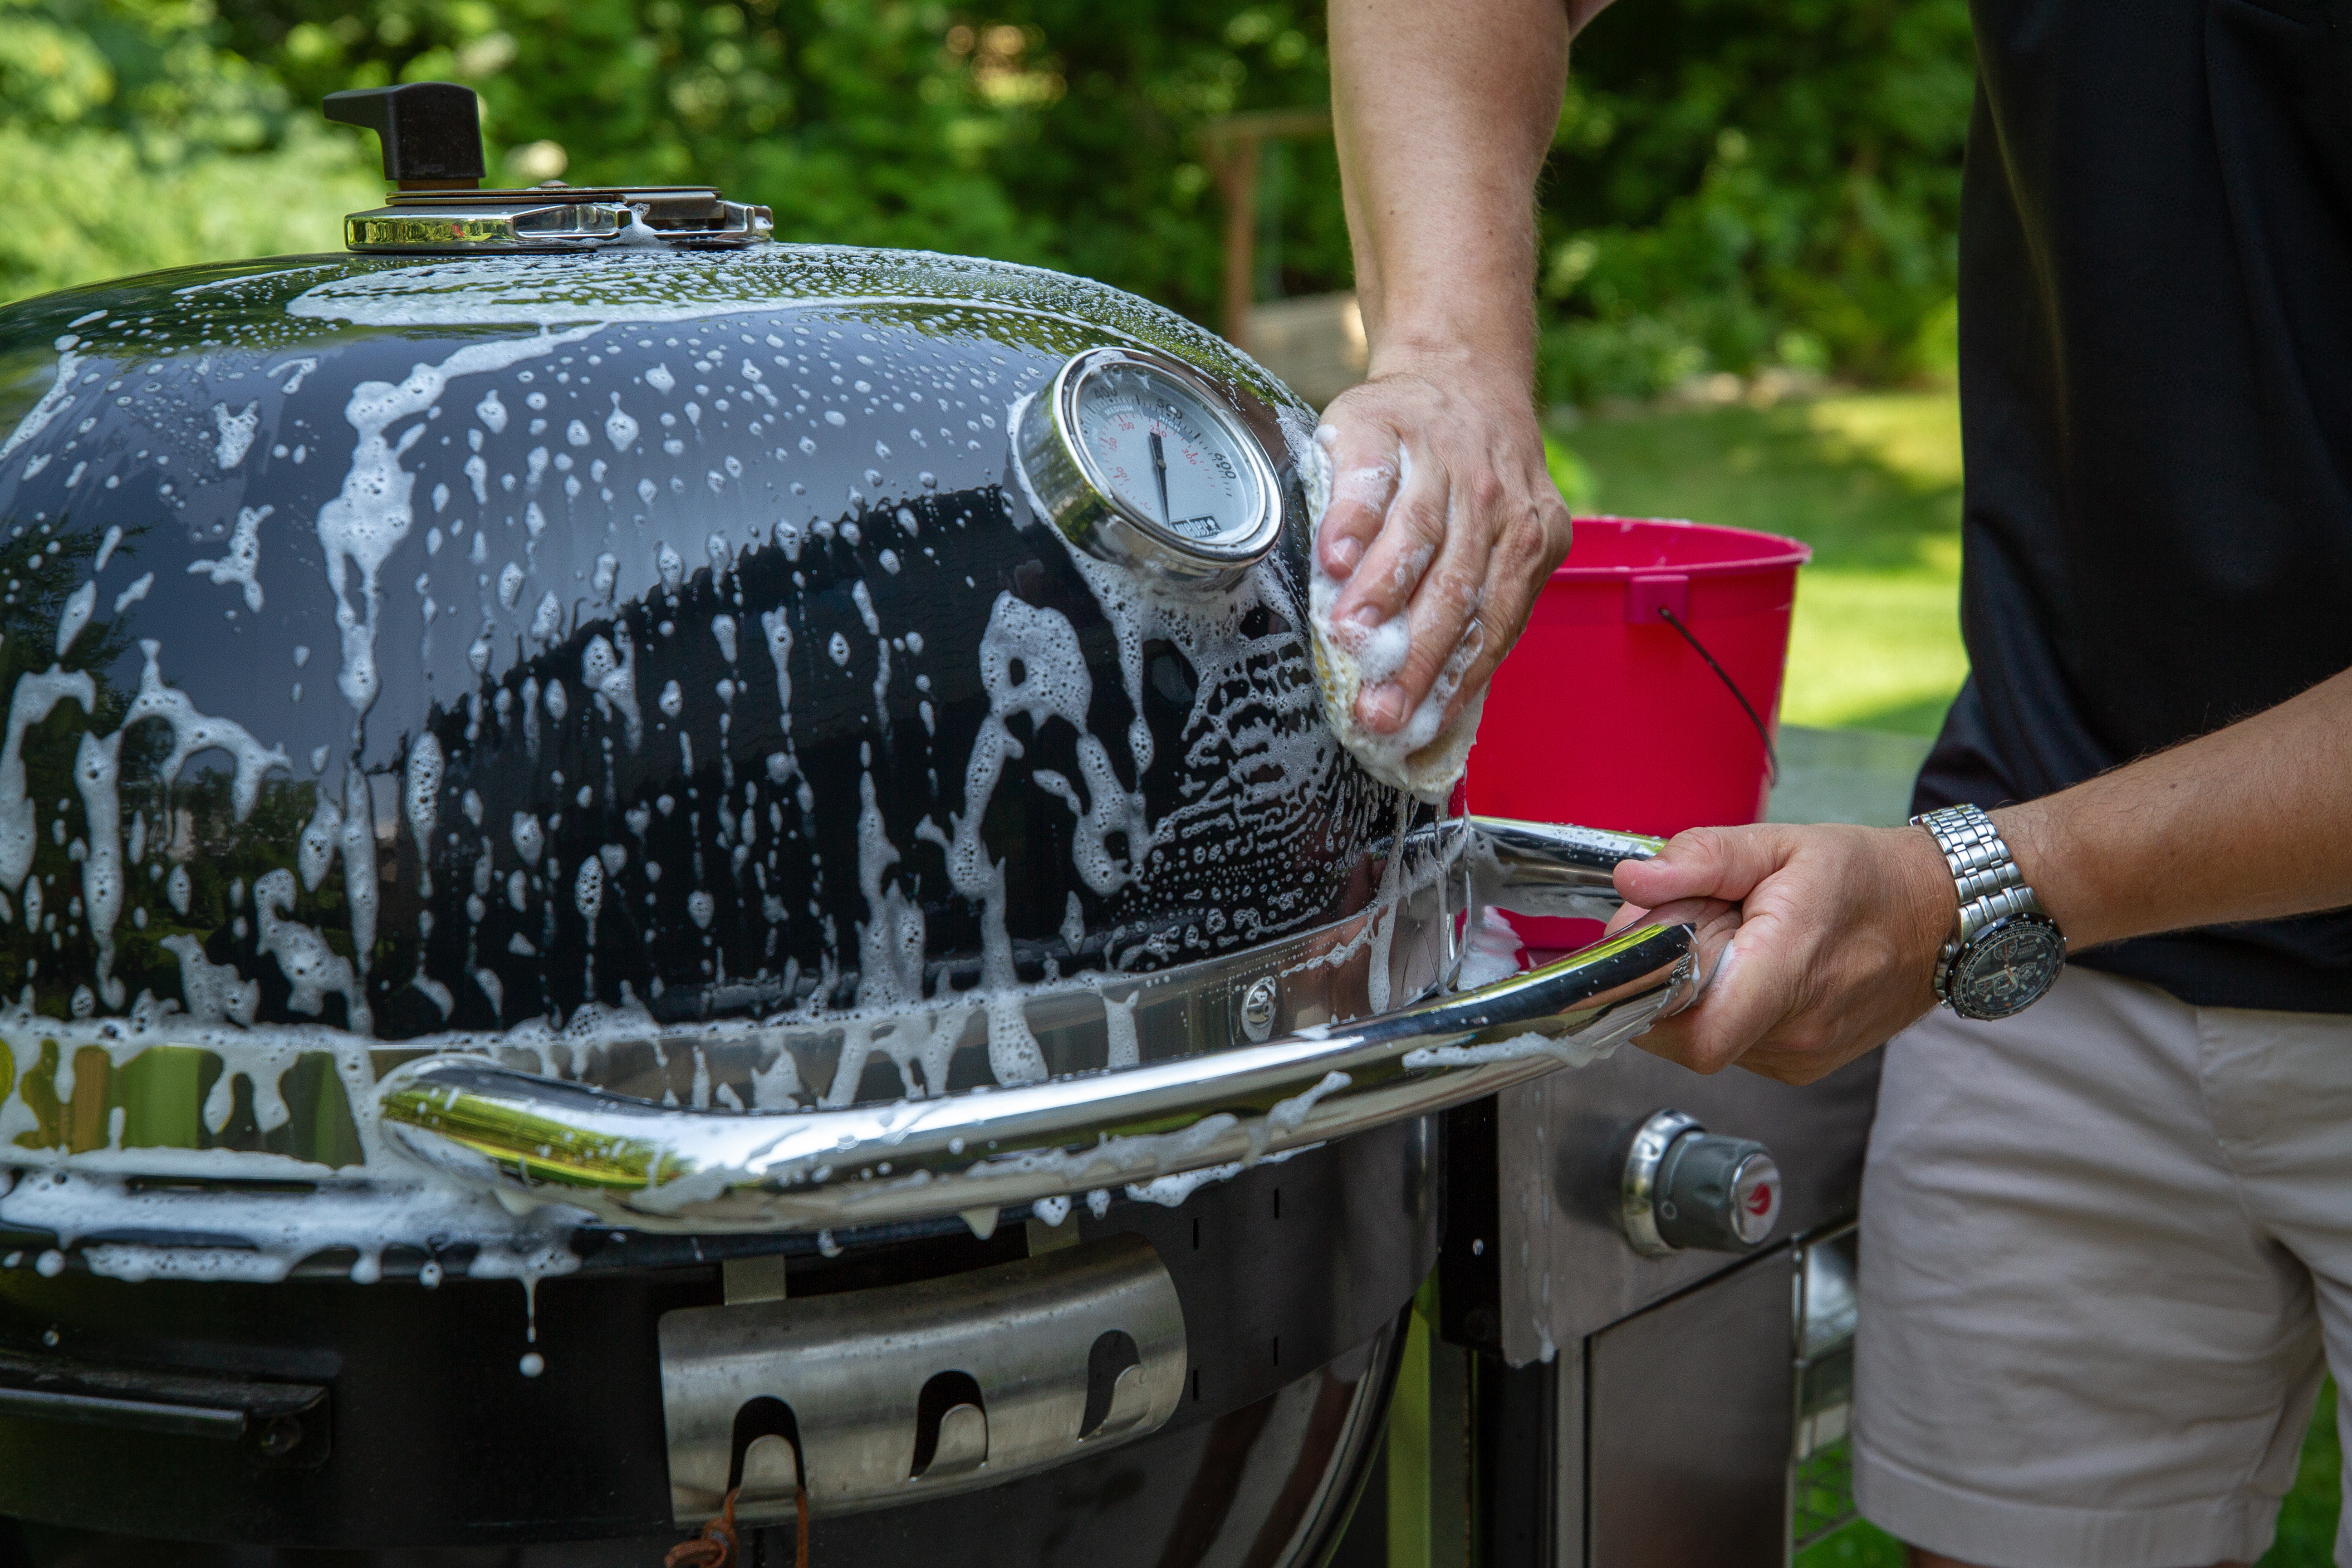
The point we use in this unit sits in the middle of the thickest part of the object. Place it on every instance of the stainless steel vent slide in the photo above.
(888, 1395)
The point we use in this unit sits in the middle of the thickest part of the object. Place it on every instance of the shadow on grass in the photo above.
(1925, 717)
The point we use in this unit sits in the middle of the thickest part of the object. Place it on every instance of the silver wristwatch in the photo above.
(2003, 952)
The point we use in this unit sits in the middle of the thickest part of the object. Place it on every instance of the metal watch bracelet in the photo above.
(1990, 883)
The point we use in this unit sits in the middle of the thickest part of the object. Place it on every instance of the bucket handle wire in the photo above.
(1772, 752)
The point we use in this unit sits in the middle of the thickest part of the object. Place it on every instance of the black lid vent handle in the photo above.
(431, 131)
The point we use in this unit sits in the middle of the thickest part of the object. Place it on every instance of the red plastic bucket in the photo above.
(1607, 715)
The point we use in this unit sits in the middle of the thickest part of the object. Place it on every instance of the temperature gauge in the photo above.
(1140, 460)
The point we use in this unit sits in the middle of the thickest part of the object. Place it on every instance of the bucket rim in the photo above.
(1772, 550)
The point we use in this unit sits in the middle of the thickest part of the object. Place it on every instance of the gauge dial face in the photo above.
(1167, 458)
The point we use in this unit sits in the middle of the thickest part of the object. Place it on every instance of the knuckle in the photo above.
(1484, 491)
(1420, 520)
(1556, 530)
(1800, 1040)
(1705, 843)
(1520, 563)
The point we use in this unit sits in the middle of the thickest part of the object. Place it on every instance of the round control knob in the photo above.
(1686, 1187)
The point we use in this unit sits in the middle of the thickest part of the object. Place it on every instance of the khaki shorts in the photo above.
(2104, 1244)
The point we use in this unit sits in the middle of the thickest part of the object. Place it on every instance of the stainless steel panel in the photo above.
(1690, 1412)
(1821, 1476)
(1567, 1268)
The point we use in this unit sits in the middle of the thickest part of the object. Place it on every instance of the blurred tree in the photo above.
(1743, 182)
(1055, 132)
(1735, 185)
(133, 142)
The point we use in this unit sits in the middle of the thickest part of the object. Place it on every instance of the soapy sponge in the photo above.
(1418, 757)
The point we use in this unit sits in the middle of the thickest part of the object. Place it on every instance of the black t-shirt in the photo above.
(2155, 392)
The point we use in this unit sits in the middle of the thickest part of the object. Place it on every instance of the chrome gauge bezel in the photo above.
(1065, 482)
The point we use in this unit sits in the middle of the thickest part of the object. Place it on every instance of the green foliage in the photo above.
(132, 142)
(1571, 474)
(1052, 131)
(1735, 185)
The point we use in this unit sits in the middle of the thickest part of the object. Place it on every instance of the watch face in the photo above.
(2007, 967)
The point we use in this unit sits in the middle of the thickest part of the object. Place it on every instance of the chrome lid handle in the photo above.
(662, 1167)
(652, 1166)
(1552, 868)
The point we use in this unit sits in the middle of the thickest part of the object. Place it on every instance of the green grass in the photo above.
(1872, 481)
(2307, 1526)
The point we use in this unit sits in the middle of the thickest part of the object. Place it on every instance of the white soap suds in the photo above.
(30, 703)
(1492, 951)
(244, 557)
(1350, 657)
(235, 434)
(37, 418)
(74, 615)
(363, 524)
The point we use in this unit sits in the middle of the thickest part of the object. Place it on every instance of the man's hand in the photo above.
(1442, 510)
(1835, 948)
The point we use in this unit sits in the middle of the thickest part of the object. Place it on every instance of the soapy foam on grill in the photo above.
(1302, 759)
(235, 434)
(1492, 951)
(37, 418)
(1519, 1047)
(31, 702)
(359, 885)
(1270, 759)
(348, 1218)
(101, 870)
(75, 616)
(1350, 658)
(277, 1230)
(192, 733)
(366, 521)
(244, 557)
(213, 992)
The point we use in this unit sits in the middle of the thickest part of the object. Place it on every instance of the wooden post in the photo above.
(1237, 178)
(1234, 143)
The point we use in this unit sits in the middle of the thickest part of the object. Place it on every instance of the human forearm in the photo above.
(1444, 113)
(2248, 822)
(1442, 511)
(1838, 928)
